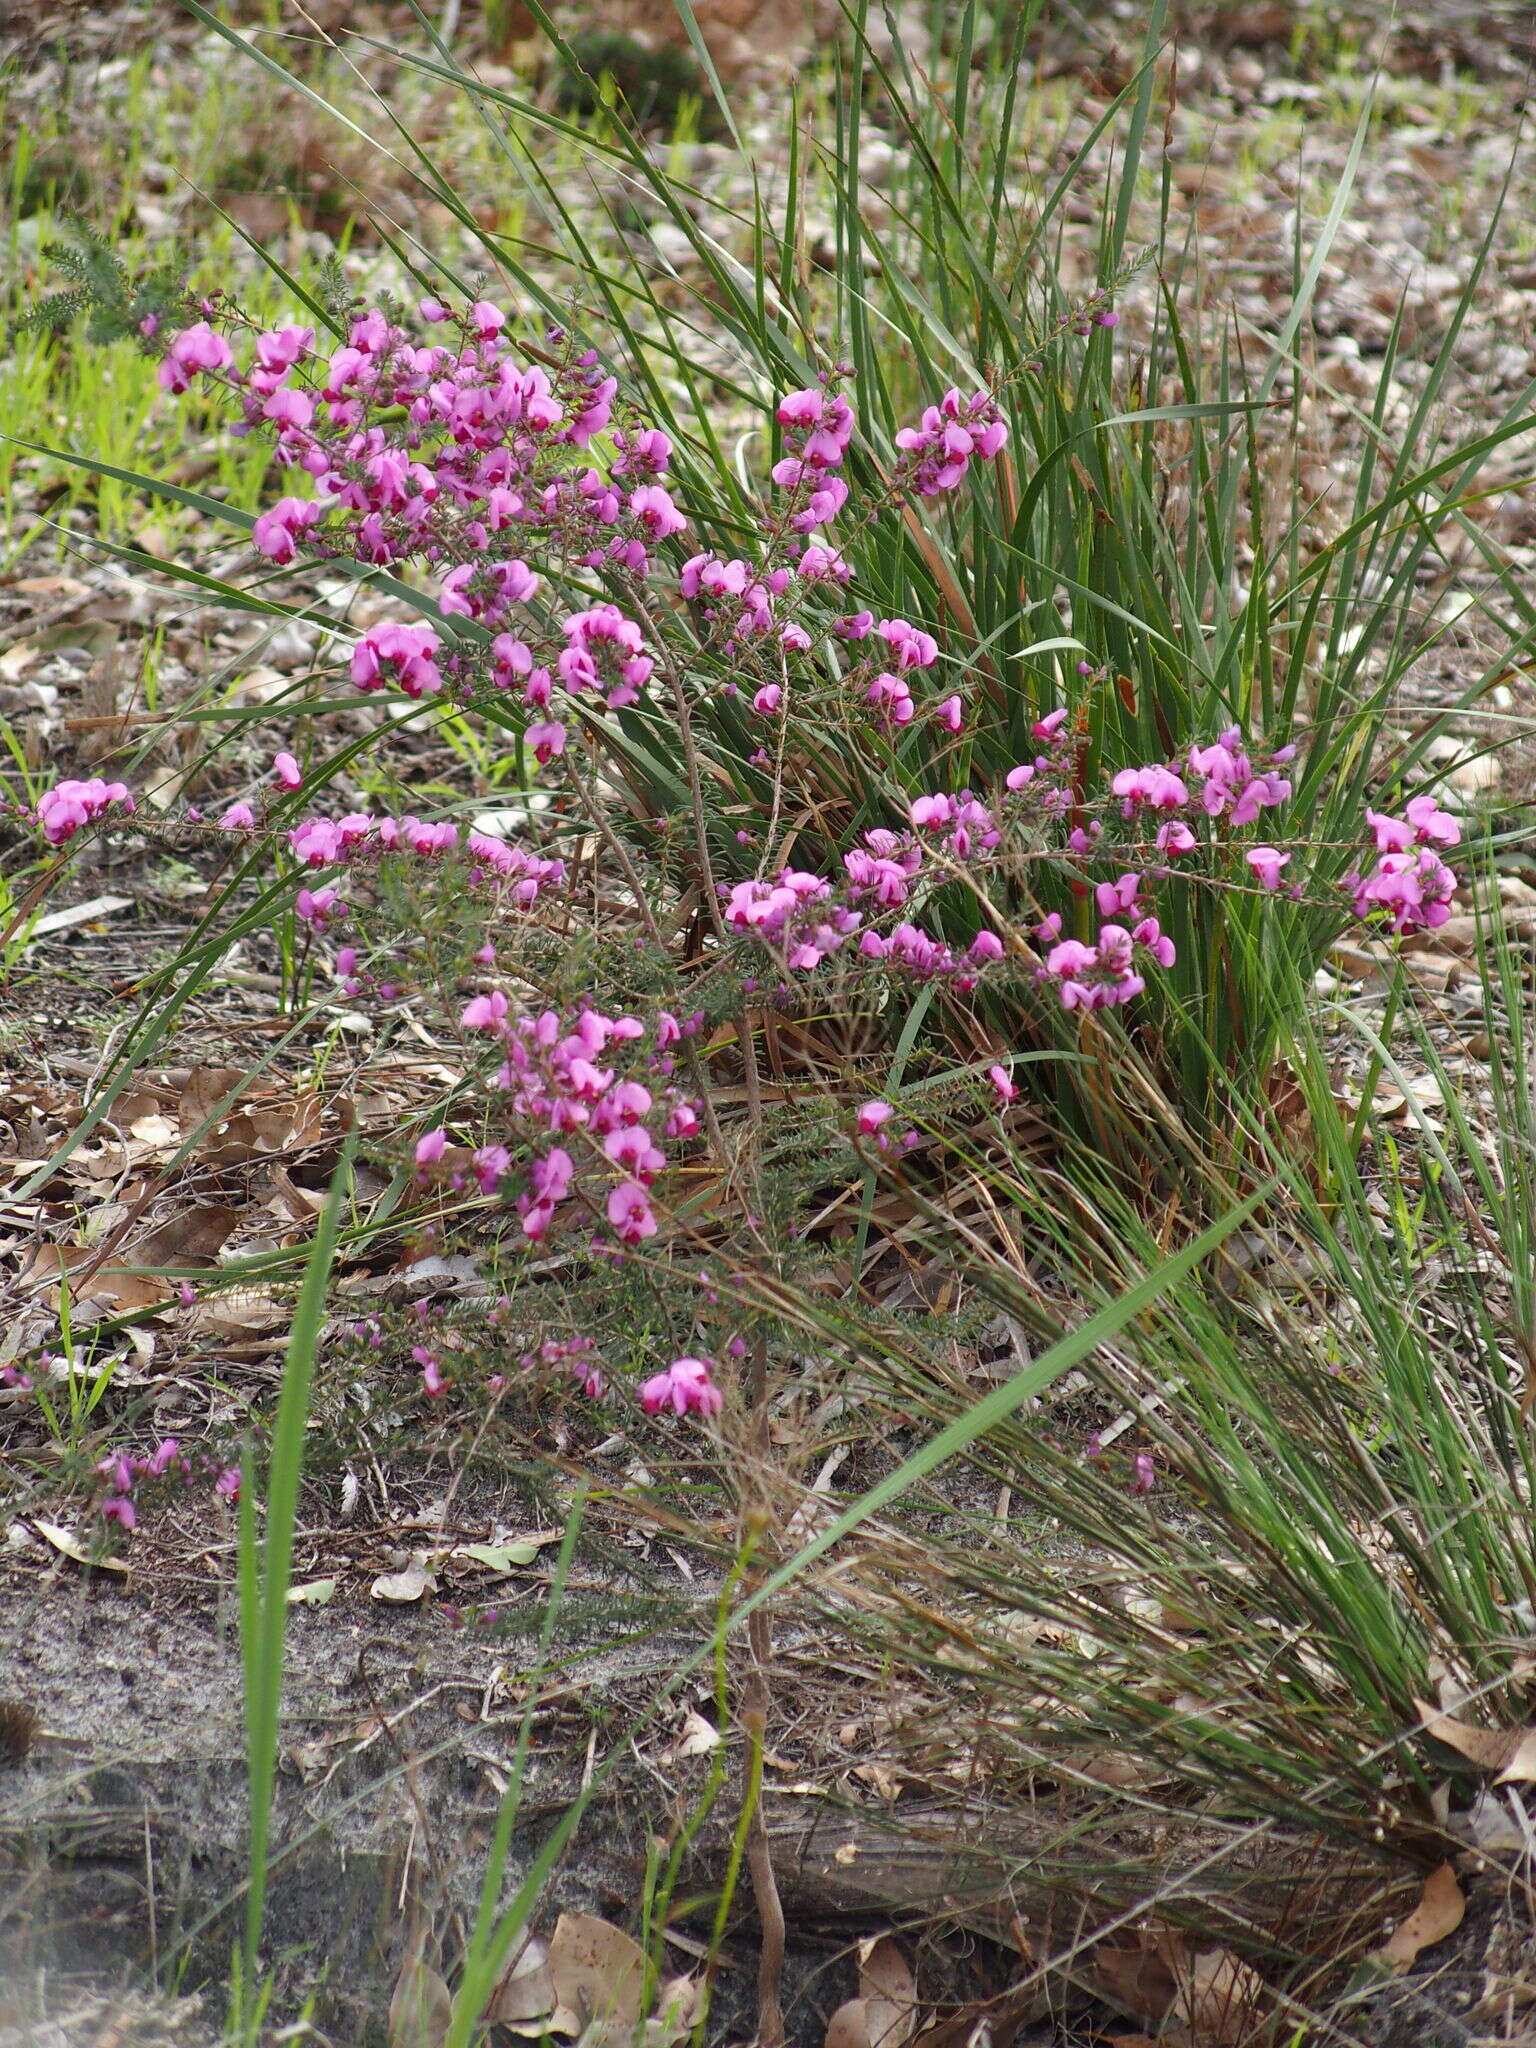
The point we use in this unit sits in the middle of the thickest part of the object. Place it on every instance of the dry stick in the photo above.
(765, 1891)
(589, 796)
(615, 845)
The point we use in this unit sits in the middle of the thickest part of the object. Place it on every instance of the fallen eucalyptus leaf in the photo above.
(598, 1973)
(1440, 1912)
(402, 1588)
(1508, 1752)
(313, 1593)
(68, 1544)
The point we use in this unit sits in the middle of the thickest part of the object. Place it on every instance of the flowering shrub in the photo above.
(122, 1473)
(568, 601)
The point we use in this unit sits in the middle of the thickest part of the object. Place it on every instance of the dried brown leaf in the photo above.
(403, 1587)
(1508, 1752)
(1140, 1980)
(1439, 1913)
(598, 1972)
(68, 1544)
(192, 1237)
(526, 1996)
(421, 2009)
(869, 2023)
(1219, 1999)
(884, 1972)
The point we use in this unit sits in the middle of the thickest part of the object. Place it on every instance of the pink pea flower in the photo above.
(238, 818)
(195, 348)
(62, 810)
(950, 714)
(1114, 897)
(1431, 825)
(1003, 1082)
(1266, 863)
(546, 739)
(630, 1213)
(484, 1013)
(1175, 838)
(276, 533)
(491, 1164)
(1159, 789)
(685, 1387)
(768, 699)
(431, 1147)
(872, 1115)
(287, 771)
(317, 906)
(432, 1381)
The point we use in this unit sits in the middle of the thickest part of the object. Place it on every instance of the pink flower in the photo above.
(950, 714)
(407, 649)
(195, 348)
(1159, 789)
(1415, 889)
(238, 818)
(1175, 838)
(1003, 1082)
(653, 508)
(316, 906)
(1114, 897)
(546, 739)
(1266, 863)
(276, 532)
(872, 1116)
(630, 1212)
(287, 771)
(431, 1147)
(1431, 825)
(685, 1387)
(891, 698)
(62, 810)
(768, 699)
(910, 647)
(491, 1164)
(484, 1013)
(317, 842)
(932, 811)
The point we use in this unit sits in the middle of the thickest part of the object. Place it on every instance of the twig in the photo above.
(765, 1890)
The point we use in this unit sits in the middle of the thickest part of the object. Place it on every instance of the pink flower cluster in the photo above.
(439, 446)
(574, 1354)
(940, 450)
(685, 1387)
(817, 427)
(62, 810)
(1099, 976)
(328, 842)
(1410, 885)
(561, 1079)
(123, 1470)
